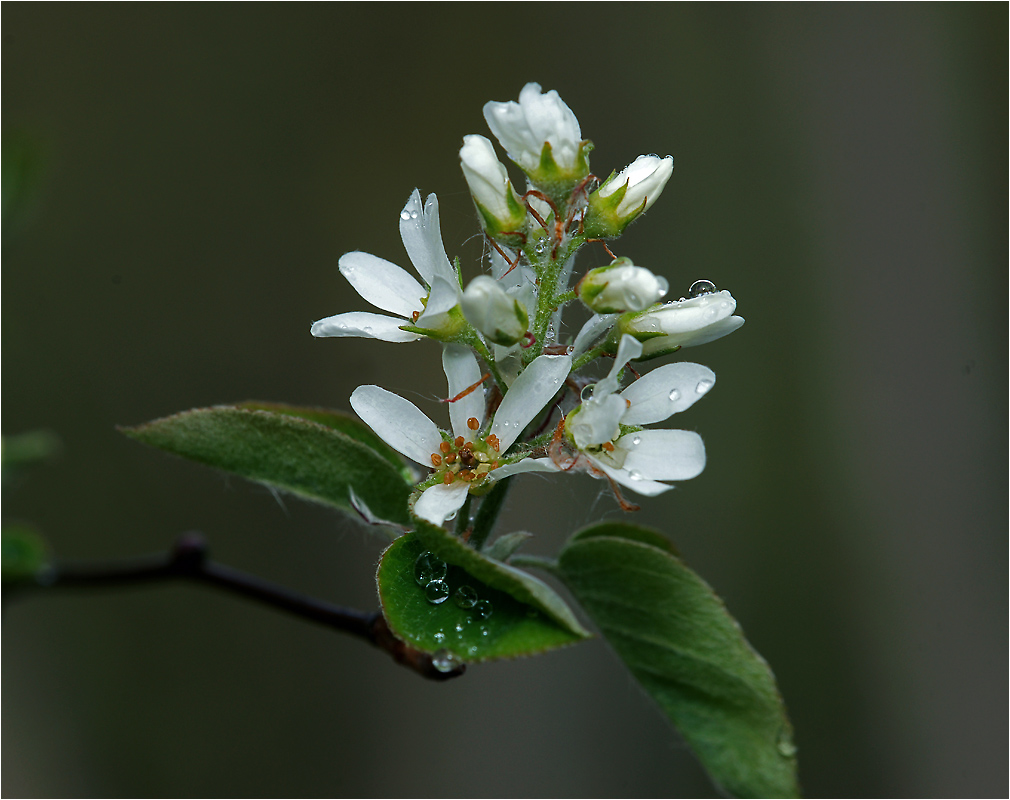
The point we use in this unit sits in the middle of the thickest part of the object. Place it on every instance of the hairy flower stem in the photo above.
(188, 561)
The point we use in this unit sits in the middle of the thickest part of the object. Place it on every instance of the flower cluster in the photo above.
(502, 414)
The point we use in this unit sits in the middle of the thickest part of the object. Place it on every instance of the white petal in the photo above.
(532, 390)
(366, 325)
(628, 349)
(382, 283)
(462, 372)
(598, 420)
(439, 502)
(597, 325)
(526, 465)
(663, 455)
(666, 391)
(445, 295)
(398, 422)
(638, 484)
(712, 332)
(422, 238)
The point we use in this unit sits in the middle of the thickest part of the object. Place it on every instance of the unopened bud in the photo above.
(621, 287)
(623, 197)
(486, 306)
(500, 208)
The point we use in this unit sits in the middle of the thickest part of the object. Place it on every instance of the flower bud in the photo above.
(622, 198)
(500, 208)
(542, 135)
(486, 306)
(683, 323)
(621, 287)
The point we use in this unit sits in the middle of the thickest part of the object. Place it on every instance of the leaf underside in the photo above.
(512, 629)
(681, 644)
(316, 461)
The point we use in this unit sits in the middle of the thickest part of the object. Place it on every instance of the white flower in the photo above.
(621, 287)
(638, 460)
(499, 205)
(683, 323)
(645, 179)
(387, 286)
(537, 119)
(494, 313)
(465, 460)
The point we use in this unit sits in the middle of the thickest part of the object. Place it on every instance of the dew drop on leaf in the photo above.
(444, 661)
(483, 609)
(436, 592)
(465, 597)
(428, 567)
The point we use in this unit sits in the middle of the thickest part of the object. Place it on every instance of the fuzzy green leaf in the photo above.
(293, 454)
(679, 641)
(345, 423)
(24, 552)
(521, 585)
(512, 629)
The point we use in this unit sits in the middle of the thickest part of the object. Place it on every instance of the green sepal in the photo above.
(455, 330)
(310, 459)
(681, 644)
(513, 629)
(24, 552)
(602, 220)
(508, 231)
(620, 330)
(520, 585)
(555, 182)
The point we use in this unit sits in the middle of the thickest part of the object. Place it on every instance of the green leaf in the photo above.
(679, 641)
(296, 455)
(520, 585)
(345, 423)
(512, 629)
(24, 552)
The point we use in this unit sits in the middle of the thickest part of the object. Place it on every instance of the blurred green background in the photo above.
(841, 169)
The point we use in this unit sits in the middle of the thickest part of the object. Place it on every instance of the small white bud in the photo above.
(499, 205)
(487, 307)
(621, 287)
(625, 196)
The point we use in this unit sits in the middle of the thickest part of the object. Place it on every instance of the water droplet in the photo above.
(404, 215)
(540, 248)
(465, 597)
(703, 386)
(483, 609)
(452, 515)
(674, 395)
(588, 388)
(632, 300)
(436, 592)
(698, 288)
(440, 637)
(473, 650)
(444, 661)
(483, 631)
(459, 627)
(637, 440)
(413, 215)
(428, 567)
(635, 475)
(469, 620)
(785, 745)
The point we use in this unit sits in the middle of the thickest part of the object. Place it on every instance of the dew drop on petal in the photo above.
(436, 592)
(444, 661)
(635, 475)
(703, 386)
(465, 597)
(637, 440)
(428, 567)
(698, 288)
(483, 609)
(674, 395)
(452, 515)
(413, 215)
(405, 215)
